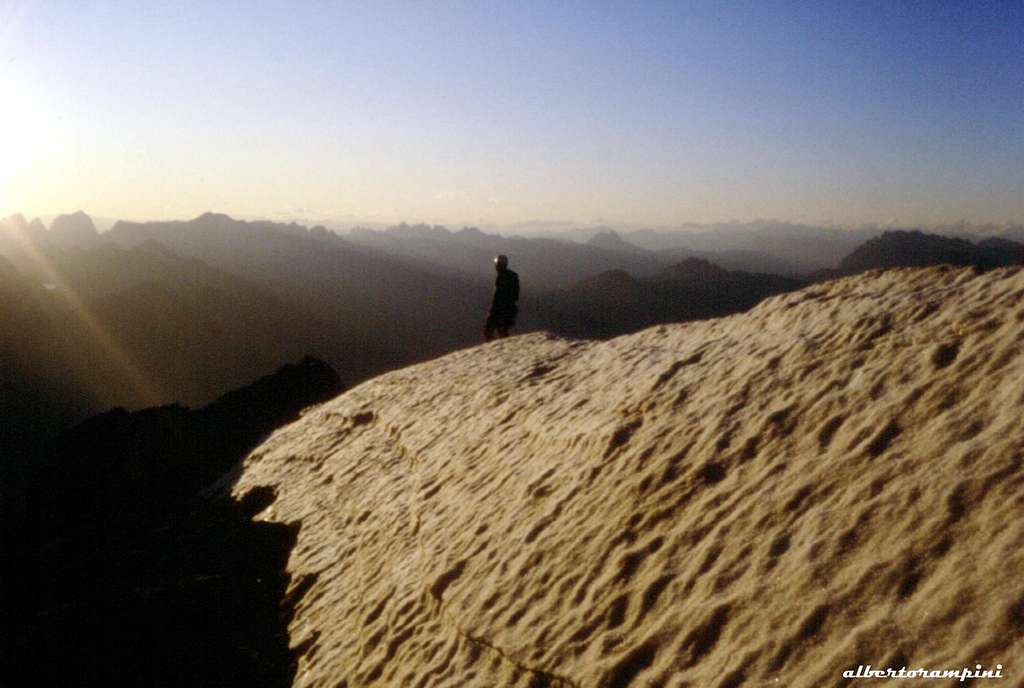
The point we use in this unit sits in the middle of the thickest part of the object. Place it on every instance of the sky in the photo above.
(647, 113)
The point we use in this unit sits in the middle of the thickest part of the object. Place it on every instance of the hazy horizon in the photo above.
(515, 115)
(529, 228)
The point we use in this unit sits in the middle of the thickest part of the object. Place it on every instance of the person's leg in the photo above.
(489, 328)
(505, 324)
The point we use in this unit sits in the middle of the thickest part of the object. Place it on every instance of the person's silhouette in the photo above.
(503, 307)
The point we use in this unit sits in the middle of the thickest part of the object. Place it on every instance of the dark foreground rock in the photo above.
(118, 571)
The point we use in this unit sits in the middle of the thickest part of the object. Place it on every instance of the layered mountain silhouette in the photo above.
(791, 248)
(781, 247)
(162, 312)
(391, 311)
(89, 329)
(611, 240)
(550, 263)
(426, 295)
(918, 249)
(42, 388)
(559, 262)
(120, 573)
(21, 237)
(615, 302)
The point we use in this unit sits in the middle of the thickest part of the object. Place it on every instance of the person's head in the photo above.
(500, 263)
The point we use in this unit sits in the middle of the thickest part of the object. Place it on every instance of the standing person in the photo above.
(503, 307)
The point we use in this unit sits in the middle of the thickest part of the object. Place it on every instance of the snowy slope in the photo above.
(831, 479)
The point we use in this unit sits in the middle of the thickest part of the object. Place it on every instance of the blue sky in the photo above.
(635, 113)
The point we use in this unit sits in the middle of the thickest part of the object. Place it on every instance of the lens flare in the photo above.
(142, 387)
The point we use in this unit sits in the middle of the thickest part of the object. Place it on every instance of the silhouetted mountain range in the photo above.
(793, 249)
(19, 237)
(558, 262)
(160, 312)
(613, 241)
(550, 263)
(917, 249)
(89, 329)
(756, 262)
(784, 247)
(390, 311)
(615, 302)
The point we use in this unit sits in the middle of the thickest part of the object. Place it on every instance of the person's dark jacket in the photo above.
(506, 293)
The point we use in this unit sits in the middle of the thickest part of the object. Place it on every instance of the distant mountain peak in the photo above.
(210, 216)
(694, 268)
(73, 229)
(914, 248)
(17, 221)
(612, 241)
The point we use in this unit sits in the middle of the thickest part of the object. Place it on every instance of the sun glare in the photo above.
(27, 132)
(27, 136)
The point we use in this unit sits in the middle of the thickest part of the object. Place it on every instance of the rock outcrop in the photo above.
(117, 572)
(833, 479)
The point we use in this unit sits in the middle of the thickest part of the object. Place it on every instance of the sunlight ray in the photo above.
(140, 384)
